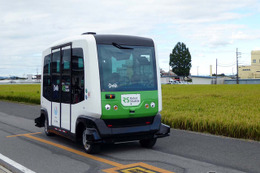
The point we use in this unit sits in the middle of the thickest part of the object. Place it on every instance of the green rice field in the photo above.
(27, 93)
(228, 110)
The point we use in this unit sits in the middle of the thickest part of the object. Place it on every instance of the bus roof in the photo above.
(108, 39)
(124, 40)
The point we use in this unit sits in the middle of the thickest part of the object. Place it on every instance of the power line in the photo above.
(227, 65)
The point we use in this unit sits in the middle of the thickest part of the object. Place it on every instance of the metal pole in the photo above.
(216, 71)
(237, 65)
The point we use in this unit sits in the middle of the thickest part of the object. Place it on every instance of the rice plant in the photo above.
(229, 110)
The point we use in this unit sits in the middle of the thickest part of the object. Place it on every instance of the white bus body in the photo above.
(76, 102)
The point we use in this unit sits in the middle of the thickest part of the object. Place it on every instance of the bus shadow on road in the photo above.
(105, 148)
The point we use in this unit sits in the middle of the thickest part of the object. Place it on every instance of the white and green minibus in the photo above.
(102, 89)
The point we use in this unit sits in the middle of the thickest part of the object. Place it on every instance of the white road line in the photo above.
(15, 164)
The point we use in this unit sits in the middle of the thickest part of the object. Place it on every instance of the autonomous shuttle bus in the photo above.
(102, 89)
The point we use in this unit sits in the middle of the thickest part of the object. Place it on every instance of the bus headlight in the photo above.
(107, 107)
(152, 104)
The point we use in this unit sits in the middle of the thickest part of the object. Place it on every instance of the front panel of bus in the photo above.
(128, 79)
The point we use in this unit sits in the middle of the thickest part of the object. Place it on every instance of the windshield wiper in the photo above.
(121, 47)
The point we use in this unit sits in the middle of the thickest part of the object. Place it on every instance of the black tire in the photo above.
(148, 143)
(90, 148)
(46, 131)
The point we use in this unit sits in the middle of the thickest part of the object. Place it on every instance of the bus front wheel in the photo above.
(90, 148)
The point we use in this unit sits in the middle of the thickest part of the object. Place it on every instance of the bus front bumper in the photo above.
(104, 134)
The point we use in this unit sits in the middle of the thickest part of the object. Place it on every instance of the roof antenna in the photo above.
(89, 33)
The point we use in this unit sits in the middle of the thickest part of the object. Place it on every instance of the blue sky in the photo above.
(210, 29)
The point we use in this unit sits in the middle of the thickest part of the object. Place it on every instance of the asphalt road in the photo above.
(183, 151)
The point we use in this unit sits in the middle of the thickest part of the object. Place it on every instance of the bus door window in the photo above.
(56, 76)
(66, 75)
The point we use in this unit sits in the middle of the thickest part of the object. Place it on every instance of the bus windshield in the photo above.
(127, 68)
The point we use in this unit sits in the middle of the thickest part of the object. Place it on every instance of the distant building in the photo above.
(38, 77)
(209, 79)
(203, 79)
(29, 77)
(253, 71)
(168, 74)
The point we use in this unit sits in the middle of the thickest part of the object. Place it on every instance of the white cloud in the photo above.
(27, 27)
(256, 48)
(241, 36)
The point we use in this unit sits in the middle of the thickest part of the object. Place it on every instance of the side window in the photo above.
(77, 75)
(47, 78)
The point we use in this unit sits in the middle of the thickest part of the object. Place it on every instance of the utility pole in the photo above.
(37, 74)
(237, 53)
(216, 71)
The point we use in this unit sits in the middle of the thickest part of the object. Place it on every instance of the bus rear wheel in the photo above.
(148, 143)
(90, 148)
(46, 128)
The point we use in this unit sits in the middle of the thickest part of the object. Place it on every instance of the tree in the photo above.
(180, 60)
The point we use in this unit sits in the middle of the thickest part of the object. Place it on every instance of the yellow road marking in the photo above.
(23, 134)
(136, 167)
(74, 151)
